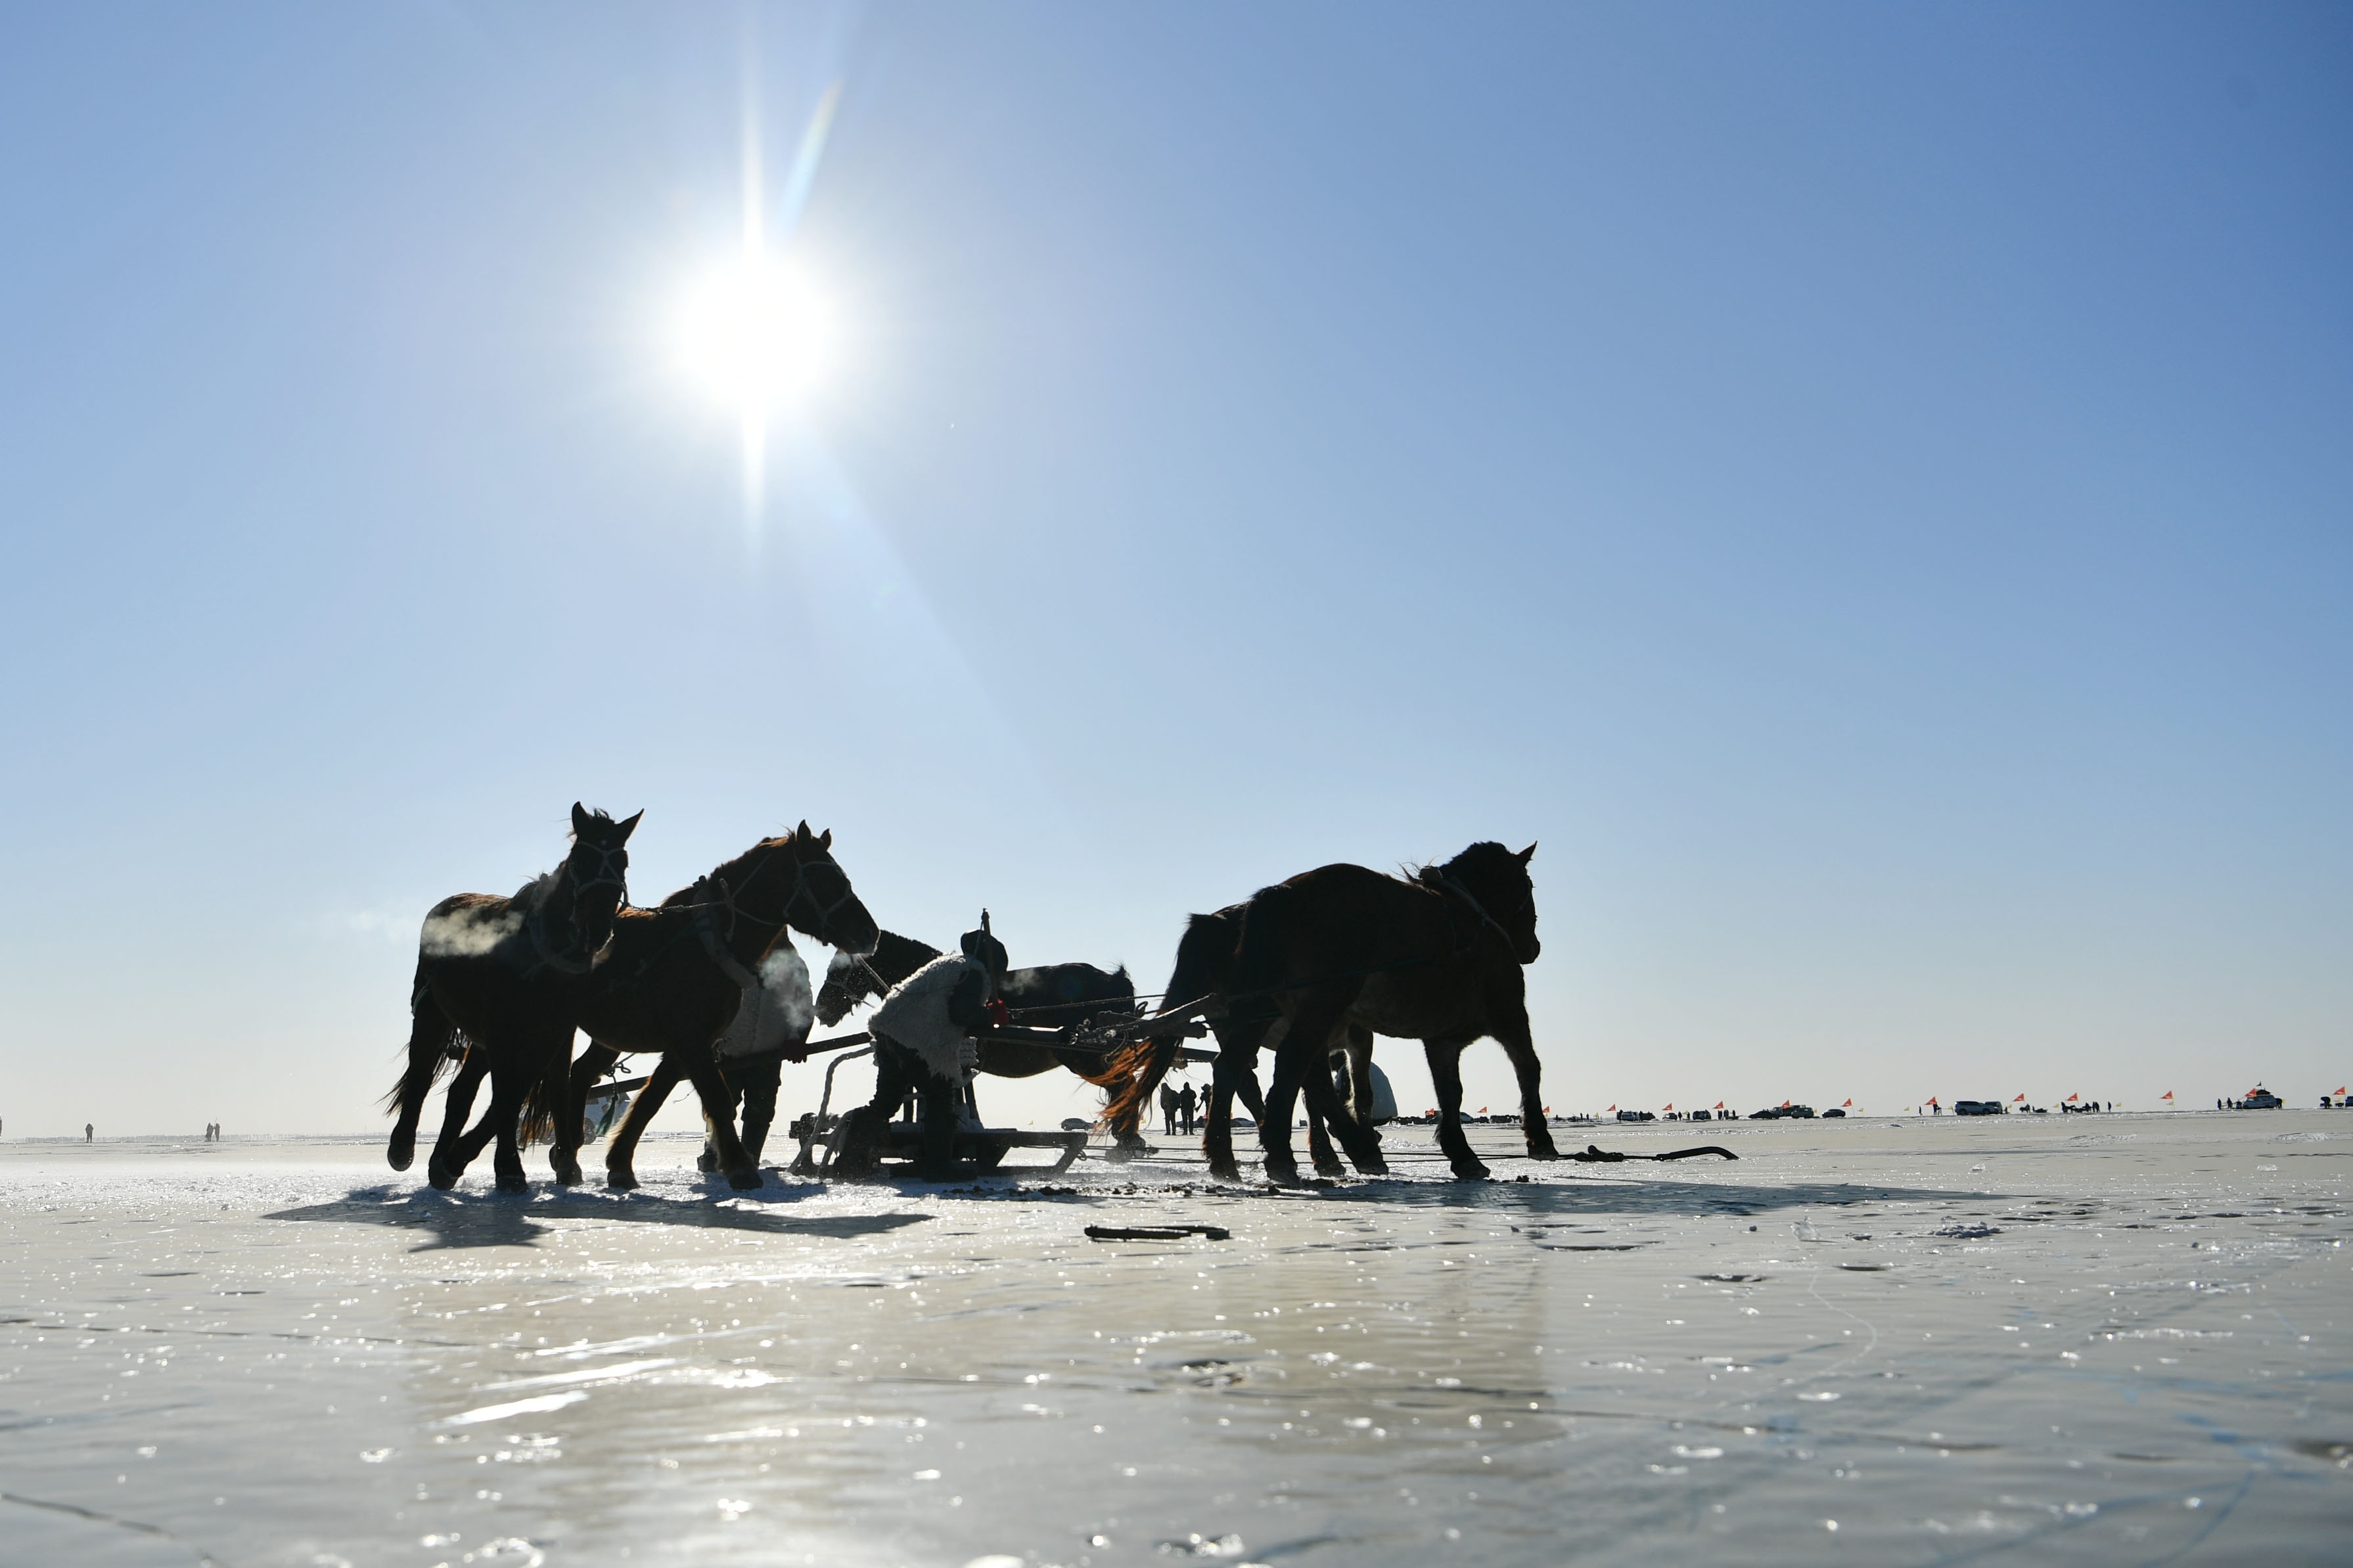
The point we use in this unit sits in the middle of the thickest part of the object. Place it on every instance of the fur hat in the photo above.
(983, 945)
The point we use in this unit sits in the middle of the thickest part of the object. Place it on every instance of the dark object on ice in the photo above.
(1777, 1113)
(1637, 1116)
(1595, 1154)
(1437, 957)
(1157, 1232)
(498, 970)
(1978, 1108)
(2259, 1098)
(1970, 1232)
(1833, 1111)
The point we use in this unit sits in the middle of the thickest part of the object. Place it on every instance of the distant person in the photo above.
(1187, 1103)
(1169, 1109)
(89, 1131)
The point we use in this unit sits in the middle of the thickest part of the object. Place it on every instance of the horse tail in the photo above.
(537, 1122)
(430, 1033)
(1204, 955)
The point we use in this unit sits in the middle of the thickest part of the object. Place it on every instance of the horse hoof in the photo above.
(744, 1180)
(402, 1153)
(1545, 1152)
(706, 1161)
(568, 1174)
(1331, 1168)
(442, 1180)
(1473, 1172)
(1282, 1176)
(1228, 1171)
(1376, 1166)
(513, 1185)
(621, 1181)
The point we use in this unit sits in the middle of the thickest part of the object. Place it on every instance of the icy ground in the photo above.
(2110, 1339)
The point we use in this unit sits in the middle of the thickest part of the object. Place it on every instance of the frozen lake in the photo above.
(2101, 1339)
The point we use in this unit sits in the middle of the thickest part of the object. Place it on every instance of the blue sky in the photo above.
(1866, 489)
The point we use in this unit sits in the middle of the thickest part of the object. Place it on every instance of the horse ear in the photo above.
(1527, 855)
(629, 826)
(802, 832)
(579, 818)
(825, 839)
(984, 922)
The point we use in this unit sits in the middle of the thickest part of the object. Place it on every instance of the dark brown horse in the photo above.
(497, 970)
(1205, 966)
(1438, 959)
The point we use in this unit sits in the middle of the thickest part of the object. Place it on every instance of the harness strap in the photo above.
(712, 947)
(1440, 880)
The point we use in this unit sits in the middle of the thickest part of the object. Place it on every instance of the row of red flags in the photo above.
(1849, 1104)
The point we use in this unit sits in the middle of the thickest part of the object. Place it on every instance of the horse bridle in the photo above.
(612, 871)
(730, 899)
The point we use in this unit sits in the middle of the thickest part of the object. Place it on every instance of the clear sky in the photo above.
(1865, 488)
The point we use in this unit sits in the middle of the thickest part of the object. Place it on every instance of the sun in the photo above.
(755, 335)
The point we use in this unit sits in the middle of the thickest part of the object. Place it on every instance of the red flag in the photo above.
(1783, 1106)
(1719, 1104)
(1847, 1104)
(2075, 1097)
(1931, 1099)
(2340, 1089)
(1547, 1111)
(1669, 1106)
(1483, 1110)
(2166, 1095)
(1613, 1108)
(2020, 1101)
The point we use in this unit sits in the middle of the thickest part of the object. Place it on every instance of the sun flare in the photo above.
(755, 336)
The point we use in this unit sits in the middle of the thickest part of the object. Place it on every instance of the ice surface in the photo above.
(1871, 1343)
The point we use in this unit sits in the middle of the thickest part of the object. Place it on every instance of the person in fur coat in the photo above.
(922, 1041)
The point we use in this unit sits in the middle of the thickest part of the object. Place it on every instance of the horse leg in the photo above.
(708, 1160)
(593, 1063)
(1363, 1144)
(455, 1148)
(1301, 1062)
(1319, 1147)
(508, 1085)
(555, 1082)
(1359, 1049)
(742, 1175)
(621, 1155)
(428, 1037)
(1521, 1048)
(762, 1080)
(1446, 1075)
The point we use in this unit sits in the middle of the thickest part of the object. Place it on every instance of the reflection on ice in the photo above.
(1407, 1368)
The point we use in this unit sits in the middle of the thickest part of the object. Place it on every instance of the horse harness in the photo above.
(612, 871)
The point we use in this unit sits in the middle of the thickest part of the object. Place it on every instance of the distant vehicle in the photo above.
(1637, 1116)
(1978, 1108)
(2259, 1098)
(1833, 1111)
(1775, 1113)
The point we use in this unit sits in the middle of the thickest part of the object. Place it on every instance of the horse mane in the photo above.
(533, 893)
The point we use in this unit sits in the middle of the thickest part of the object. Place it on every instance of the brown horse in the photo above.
(677, 972)
(497, 970)
(1205, 967)
(1437, 959)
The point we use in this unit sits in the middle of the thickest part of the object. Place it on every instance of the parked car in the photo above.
(1978, 1108)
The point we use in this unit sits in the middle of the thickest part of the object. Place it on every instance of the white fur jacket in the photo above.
(778, 1014)
(915, 1015)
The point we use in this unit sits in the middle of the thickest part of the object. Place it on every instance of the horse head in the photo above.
(820, 902)
(1498, 879)
(597, 873)
(851, 978)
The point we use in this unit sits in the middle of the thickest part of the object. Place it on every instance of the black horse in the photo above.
(1205, 967)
